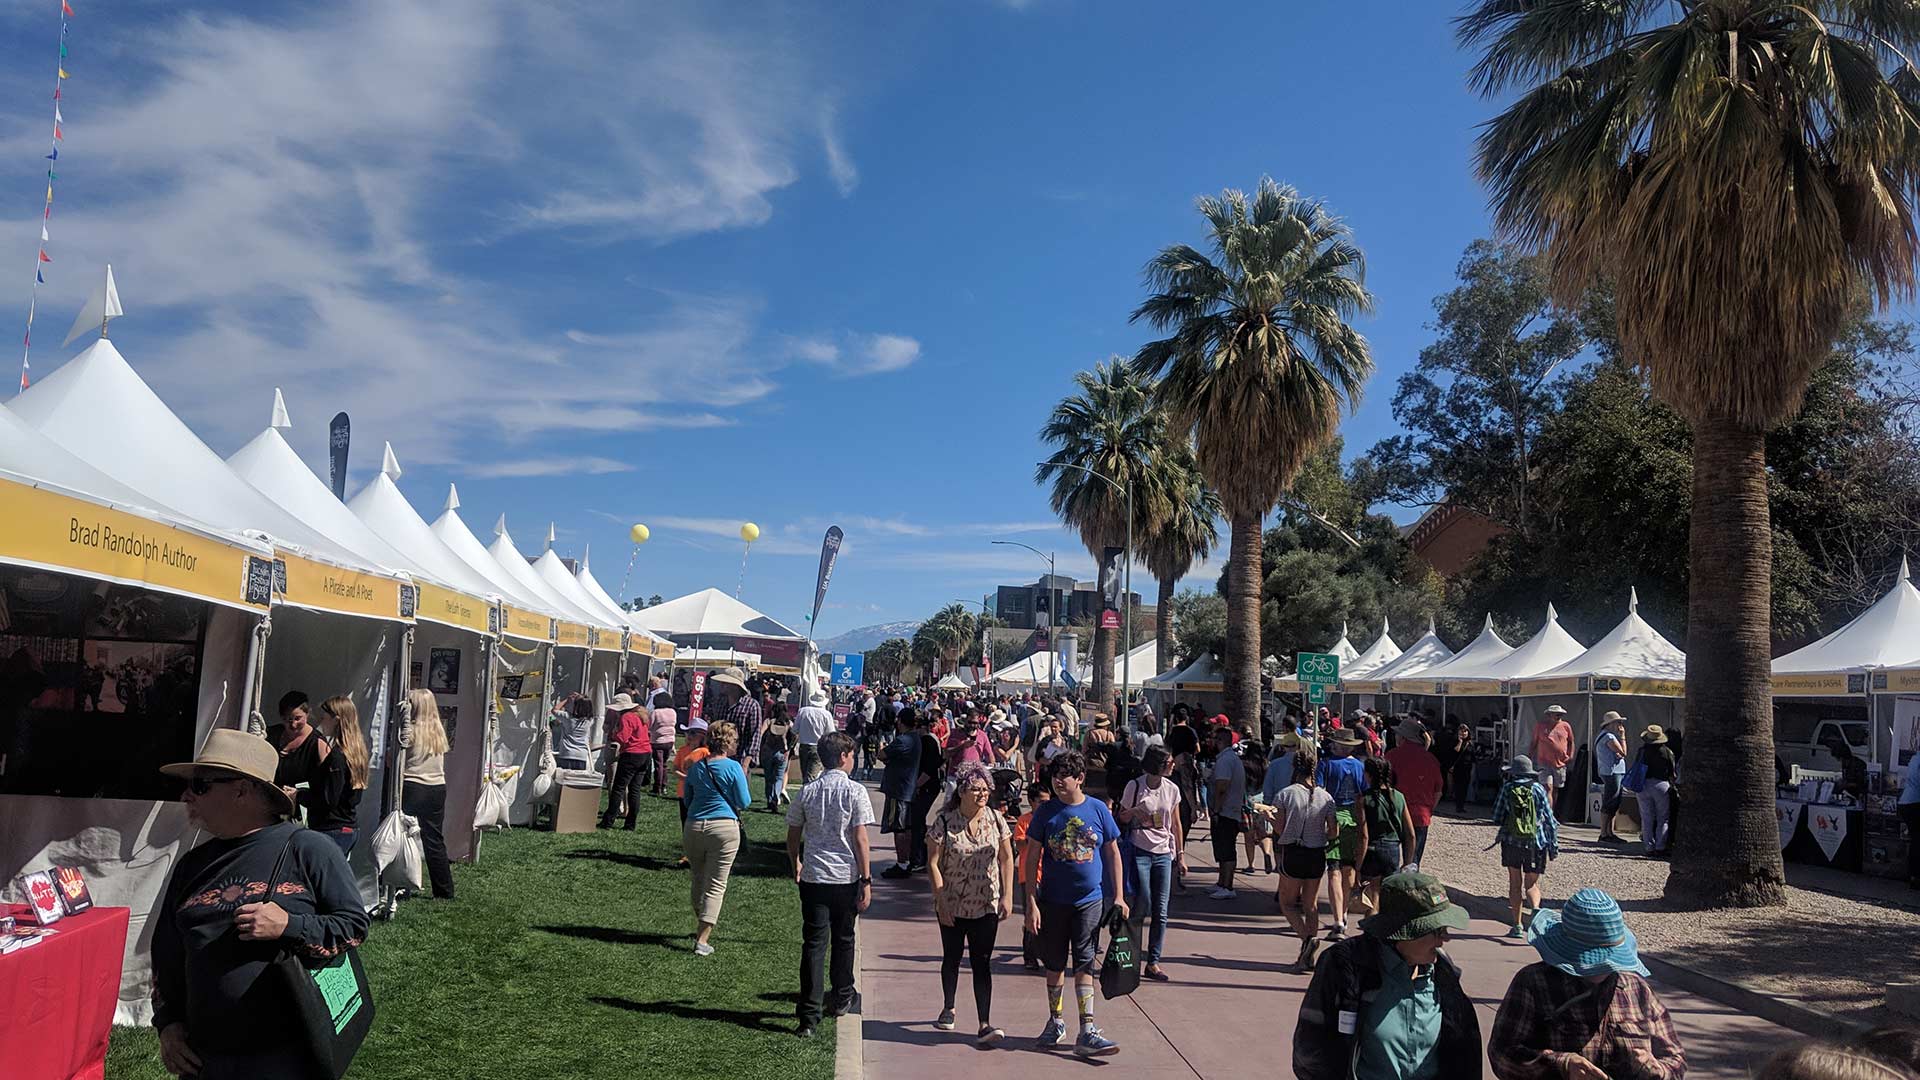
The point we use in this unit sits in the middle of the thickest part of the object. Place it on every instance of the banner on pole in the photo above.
(829, 551)
(339, 434)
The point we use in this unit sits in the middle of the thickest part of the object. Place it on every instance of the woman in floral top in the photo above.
(970, 863)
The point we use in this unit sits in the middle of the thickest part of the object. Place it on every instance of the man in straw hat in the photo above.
(1552, 749)
(1586, 1010)
(217, 1007)
(1528, 836)
(1417, 776)
(1389, 1001)
(1344, 777)
(1610, 760)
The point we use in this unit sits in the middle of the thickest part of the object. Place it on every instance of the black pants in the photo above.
(1910, 813)
(428, 802)
(923, 800)
(628, 780)
(1462, 781)
(827, 918)
(975, 936)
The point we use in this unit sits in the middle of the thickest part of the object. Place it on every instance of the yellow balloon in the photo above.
(639, 534)
(749, 532)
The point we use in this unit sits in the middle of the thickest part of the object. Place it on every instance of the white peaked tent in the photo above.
(710, 613)
(519, 680)
(1382, 652)
(1481, 656)
(1425, 653)
(571, 665)
(1204, 675)
(1544, 651)
(641, 642)
(1287, 684)
(1344, 649)
(1201, 683)
(1034, 669)
(125, 846)
(952, 681)
(463, 619)
(606, 655)
(1142, 657)
(1853, 662)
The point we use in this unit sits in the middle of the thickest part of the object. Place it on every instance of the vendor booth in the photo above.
(1840, 689)
(1382, 652)
(643, 649)
(1371, 690)
(712, 620)
(606, 631)
(1139, 661)
(1632, 670)
(1466, 675)
(1200, 685)
(122, 624)
(1035, 671)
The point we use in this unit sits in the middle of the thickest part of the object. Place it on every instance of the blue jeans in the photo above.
(1152, 885)
(774, 766)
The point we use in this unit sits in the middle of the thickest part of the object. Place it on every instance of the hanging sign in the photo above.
(528, 625)
(697, 696)
(324, 587)
(450, 608)
(1787, 813)
(573, 634)
(1828, 824)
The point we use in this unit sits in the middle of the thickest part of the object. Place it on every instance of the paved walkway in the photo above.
(1229, 1008)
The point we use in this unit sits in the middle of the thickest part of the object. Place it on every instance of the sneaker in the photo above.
(1307, 948)
(1337, 931)
(1051, 1035)
(989, 1035)
(916, 866)
(1518, 931)
(805, 1032)
(896, 872)
(1313, 952)
(1218, 893)
(701, 948)
(1094, 1044)
(945, 1023)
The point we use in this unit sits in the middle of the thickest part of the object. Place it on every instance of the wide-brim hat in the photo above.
(733, 676)
(229, 753)
(1611, 717)
(622, 702)
(1588, 936)
(1556, 710)
(818, 697)
(696, 724)
(1413, 905)
(1412, 730)
(1102, 721)
(1521, 767)
(1287, 740)
(1344, 737)
(1654, 734)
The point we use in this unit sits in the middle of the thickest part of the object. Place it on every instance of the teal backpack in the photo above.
(1521, 826)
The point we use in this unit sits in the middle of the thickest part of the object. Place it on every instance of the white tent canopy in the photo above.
(1544, 651)
(710, 613)
(1425, 653)
(1631, 650)
(1204, 674)
(1344, 649)
(1478, 660)
(1382, 652)
(382, 507)
(561, 580)
(1033, 669)
(454, 533)
(600, 597)
(952, 681)
(530, 581)
(1142, 657)
(1885, 635)
(715, 658)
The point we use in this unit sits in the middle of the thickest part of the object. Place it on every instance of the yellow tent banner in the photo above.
(325, 587)
(1831, 684)
(46, 529)
(573, 634)
(527, 625)
(450, 608)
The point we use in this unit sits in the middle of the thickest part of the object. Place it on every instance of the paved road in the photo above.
(1229, 1008)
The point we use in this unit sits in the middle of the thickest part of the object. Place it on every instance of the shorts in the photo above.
(1383, 858)
(1259, 826)
(1555, 776)
(1225, 831)
(1529, 860)
(894, 816)
(1303, 863)
(1345, 848)
(1071, 930)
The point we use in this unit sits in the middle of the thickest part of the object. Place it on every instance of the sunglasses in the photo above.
(201, 786)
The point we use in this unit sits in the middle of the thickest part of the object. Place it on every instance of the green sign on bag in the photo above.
(340, 989)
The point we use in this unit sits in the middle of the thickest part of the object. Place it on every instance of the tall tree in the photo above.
(1259, 360)
(1476, 401)
(952, 630)
(1108, 439)
(887, 659)
(1184, 537)
(1739, 170)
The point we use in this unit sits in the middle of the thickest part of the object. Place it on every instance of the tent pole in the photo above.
(250, 692)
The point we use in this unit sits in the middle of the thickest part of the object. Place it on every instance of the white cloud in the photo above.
(888, 352)
(861, 354)
(846, 176)
(555, 466)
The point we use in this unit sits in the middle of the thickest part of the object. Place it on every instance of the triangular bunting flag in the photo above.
(56, 132)
(66, 9)
(63, 49)
(55, 156)
(57, 118)
(44, 257)
(63, 72)
(39, 278)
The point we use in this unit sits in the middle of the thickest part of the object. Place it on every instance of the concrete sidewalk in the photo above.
(1230, 1007)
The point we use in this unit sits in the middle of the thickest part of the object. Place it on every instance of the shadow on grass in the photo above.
(643, 862)
(613, 936)
(682, 1010)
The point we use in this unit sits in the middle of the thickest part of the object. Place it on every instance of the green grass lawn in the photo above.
(571, 956)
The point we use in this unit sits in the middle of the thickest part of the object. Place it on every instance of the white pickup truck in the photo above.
(1806, 745)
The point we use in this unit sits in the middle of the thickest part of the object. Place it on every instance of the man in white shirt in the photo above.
(1229, 802)
(812, 723)
(827, 841)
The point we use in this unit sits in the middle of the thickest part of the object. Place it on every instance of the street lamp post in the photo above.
(1126, 601)
(1052, 605)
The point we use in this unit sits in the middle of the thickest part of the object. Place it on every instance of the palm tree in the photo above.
(1259, 359)
(1739, 170)
(1176, 542)
(951, 630)
(1108, 425)
(924, 651)
(888, 658)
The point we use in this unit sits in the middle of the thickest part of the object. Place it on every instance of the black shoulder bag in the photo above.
(334, 1003)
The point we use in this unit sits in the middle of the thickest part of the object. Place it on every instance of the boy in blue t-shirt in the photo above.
(1344, 777)
(1070, 865)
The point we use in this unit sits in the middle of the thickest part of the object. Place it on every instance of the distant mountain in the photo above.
(866, 637)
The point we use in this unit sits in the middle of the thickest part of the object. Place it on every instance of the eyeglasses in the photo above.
(200, 785)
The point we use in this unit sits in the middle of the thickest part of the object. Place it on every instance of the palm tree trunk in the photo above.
(1727, 853)
(1243, 620)
(1162, 630)
(1102, 688)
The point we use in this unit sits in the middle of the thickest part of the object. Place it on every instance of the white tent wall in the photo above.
(468, 730)
(322, 655)
(603, 679)
(127, 847)
(516, 735)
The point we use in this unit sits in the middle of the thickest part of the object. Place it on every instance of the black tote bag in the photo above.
(333, 1002)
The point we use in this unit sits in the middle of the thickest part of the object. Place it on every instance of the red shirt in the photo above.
(1416, 775)
(1553, 744)
(631, 733)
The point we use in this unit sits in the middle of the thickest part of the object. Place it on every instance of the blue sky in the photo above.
(697, 264)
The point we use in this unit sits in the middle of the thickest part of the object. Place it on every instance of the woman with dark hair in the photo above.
(1149, 807)
(309, 757)
(1303, 823)
(970, 865)
(1388, 830)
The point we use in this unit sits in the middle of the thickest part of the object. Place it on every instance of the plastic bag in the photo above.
(1120, 974)
(549, 767)
(398, 854)
(491, 811)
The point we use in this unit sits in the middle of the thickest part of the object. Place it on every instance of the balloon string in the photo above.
(625, 576)
(743, 570)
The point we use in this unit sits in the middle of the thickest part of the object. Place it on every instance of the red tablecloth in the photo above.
(57, 997)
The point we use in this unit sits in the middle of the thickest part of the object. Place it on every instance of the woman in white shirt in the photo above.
(1150, 807)
(423, 787)
(1303, 822)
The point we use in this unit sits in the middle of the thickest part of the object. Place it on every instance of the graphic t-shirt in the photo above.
(1071, 869)
(1344, 778)
(1154, 810)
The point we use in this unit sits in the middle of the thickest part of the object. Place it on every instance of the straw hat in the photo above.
(1588, 936)
(1344, 737)
(733, 676)
(621, 702)
(232, 753)
(1654, 735)
(1556, 710)
(1610, 717)
(817, 698)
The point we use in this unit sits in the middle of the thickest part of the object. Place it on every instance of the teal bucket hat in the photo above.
(1587, 936)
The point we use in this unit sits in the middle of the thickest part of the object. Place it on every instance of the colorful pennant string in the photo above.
(46, 213)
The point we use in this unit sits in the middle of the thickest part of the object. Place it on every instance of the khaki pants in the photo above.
(711, 846)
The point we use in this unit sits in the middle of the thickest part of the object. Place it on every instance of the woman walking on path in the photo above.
(716, 793)
(970, 864)
(1388, 829)
(1586, 1010)
(1528, 836)
(661, 722)
(1150, 808)
(1656, 791)
(631, 741)
(1303, 824)
(423, 785)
